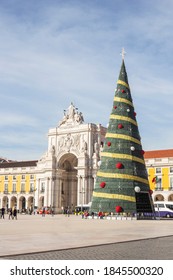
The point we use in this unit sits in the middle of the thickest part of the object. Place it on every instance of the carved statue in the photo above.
(68, 141)
(52, 150)
(84, 146)
(96, 148)
(71, 116)
(63, 120)
(71, 111)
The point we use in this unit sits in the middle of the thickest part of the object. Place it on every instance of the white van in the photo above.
(164, 209)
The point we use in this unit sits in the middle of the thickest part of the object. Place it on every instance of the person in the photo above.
(15, 213)
(30, 211)
(43, 212)
(86, 214)
(68, 212)
(3, 212)
(52, 211)
(10, 214)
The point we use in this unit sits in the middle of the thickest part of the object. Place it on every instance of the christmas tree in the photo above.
(122, 181)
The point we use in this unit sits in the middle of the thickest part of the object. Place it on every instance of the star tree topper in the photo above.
(123, 53)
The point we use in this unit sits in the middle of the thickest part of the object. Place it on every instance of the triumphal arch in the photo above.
(67, 171)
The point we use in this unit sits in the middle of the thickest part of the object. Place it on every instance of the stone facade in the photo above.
(67, 171)
(65, 174)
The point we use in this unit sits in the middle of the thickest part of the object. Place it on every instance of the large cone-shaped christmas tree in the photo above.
(122, 181)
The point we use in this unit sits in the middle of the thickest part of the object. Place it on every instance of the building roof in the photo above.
(18, 164)
(4, 160)
(158, 154)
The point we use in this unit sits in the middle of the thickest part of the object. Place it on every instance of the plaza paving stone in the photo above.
(70, 238)
(148, 249)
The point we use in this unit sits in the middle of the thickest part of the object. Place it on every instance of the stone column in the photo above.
(17, 203)
(82, 191)
(49, 192)
(37, 193)
(58, 196)
(89, 189)
(78, 189)
(56, 193)
(52, 192)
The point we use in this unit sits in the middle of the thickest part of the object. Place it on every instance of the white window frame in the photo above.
(160, 170)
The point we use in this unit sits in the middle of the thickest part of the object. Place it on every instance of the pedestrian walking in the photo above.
(10, 214)
(52, 211)
(15, 213)
(3, 212)
(68, 212)
(43, 212)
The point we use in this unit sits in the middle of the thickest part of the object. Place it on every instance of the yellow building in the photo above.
(17, 184)
(159, 165)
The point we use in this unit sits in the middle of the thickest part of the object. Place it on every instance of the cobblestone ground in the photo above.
(150, 249)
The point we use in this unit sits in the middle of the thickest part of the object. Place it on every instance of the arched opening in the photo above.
(30, 203)
(22, 204)
(13, 202)
(67, 175)
(159, 197)
(5, 203)
(170, 197)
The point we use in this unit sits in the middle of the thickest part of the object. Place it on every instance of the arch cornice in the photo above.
(65, 155)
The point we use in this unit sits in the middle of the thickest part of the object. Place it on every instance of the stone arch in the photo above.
(22, 204)
(170, 197)
(67, 181)
(5, 202)
(30, 202)
(67, 160)
(159, 197)
(13, 202)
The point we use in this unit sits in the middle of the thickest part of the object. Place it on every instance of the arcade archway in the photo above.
(22, 203)
(13, 202)
(67, 179)
(5, 202)
(159, 197)
(170, 197)
(30, 202)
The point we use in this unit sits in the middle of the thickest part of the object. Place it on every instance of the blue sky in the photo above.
(55, 52)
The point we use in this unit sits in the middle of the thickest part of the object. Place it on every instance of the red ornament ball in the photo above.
(123, 91)
(118, 209)
(115, 107)
(142, 152)
(150, 192)
(119, 165)
(135, 114)
(102, 184)
(120, 126)
(109, 144)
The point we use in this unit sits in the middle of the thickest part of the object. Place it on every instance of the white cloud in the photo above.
(68, 51)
